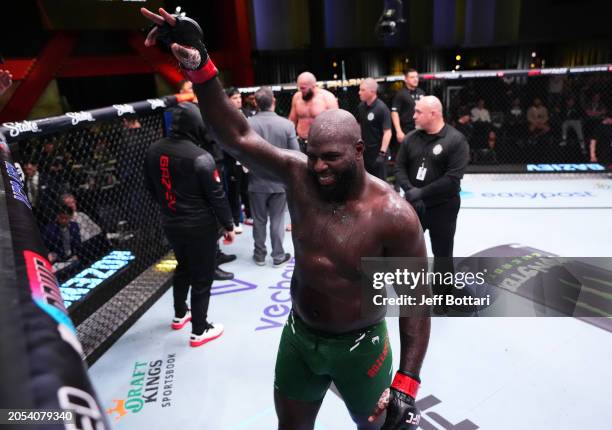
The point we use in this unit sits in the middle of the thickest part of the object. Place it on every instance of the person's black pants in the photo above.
(441, 221)
(195, 251)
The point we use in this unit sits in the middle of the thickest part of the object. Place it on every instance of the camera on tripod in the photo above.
(390, 19)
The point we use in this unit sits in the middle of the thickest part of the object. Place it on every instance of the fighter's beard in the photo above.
(309, 95)
(339, 191)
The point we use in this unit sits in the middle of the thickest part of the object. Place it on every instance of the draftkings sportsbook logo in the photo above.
(151, 385)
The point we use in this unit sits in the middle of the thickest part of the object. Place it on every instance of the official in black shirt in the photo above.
(375, 120)
(430, 165)
(402, 108)
(183, 179)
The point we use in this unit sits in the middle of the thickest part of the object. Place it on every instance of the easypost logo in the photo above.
(538, 195)
(151, 385)
(16, 128)
(124, 109)
(77, 117)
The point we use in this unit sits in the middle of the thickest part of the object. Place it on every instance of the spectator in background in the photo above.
(571, 116)
(62, 237)
(402, 110)
(268, 198)
(480, 113)
(463, 124)
(249, 105)
(537, 118)
(375, 120)
(595, 113)
(32, 184)
(515, 116)
(601, 143)
(87, 227)
(48, 157)
(6, 80)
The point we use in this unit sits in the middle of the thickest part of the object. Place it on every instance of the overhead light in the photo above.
(457, 67)
(458, 57)
(335, 76)
(532, 65)
(334, 64)
(533, 54)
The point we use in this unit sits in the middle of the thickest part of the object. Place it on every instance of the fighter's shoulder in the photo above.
(327, 94)
(397, 213)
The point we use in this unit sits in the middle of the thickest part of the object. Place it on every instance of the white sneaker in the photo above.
(213, 331)
(238, 229)
(179, 323)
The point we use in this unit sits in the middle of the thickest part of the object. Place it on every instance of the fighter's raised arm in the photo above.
(184, 37)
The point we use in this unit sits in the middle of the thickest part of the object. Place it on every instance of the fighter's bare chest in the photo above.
(312, 108)
(338, 235)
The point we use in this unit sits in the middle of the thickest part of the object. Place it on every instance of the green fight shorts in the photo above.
(358, 363)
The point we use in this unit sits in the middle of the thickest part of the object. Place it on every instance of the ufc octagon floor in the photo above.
(490, 373)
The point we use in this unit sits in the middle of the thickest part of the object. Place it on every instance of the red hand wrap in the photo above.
(405, 384)
(204, 74)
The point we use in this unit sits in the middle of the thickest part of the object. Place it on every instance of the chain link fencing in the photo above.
(84, 181)
(508, 116)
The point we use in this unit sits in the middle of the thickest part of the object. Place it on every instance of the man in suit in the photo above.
(268, 199)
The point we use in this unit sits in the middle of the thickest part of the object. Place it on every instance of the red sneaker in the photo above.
(179, 323)
(213, 331)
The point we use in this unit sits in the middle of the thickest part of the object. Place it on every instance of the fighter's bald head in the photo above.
(306, 78)
(428, 114)
(370, 84)
(431, 104)
(335, 125)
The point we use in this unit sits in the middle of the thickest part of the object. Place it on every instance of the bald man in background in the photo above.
(374, 118)
(308, 102)
(430, 164)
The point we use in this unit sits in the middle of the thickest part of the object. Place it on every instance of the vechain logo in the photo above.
(275, 314)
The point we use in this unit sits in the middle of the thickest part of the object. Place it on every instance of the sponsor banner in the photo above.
(14, 131)
(149, 386)
(274, 314)
(562, 193)
(76, 288)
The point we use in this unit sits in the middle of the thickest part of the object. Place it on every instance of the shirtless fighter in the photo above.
(308, 102)
(330, 195)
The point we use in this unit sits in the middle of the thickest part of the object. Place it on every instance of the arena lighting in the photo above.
(390, 19)
(334, 64)
(458, 57)
(533, 54)
(457, 67)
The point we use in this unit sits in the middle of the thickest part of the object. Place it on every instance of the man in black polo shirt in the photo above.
(375, 120)
(402, 109)
(430, 165)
